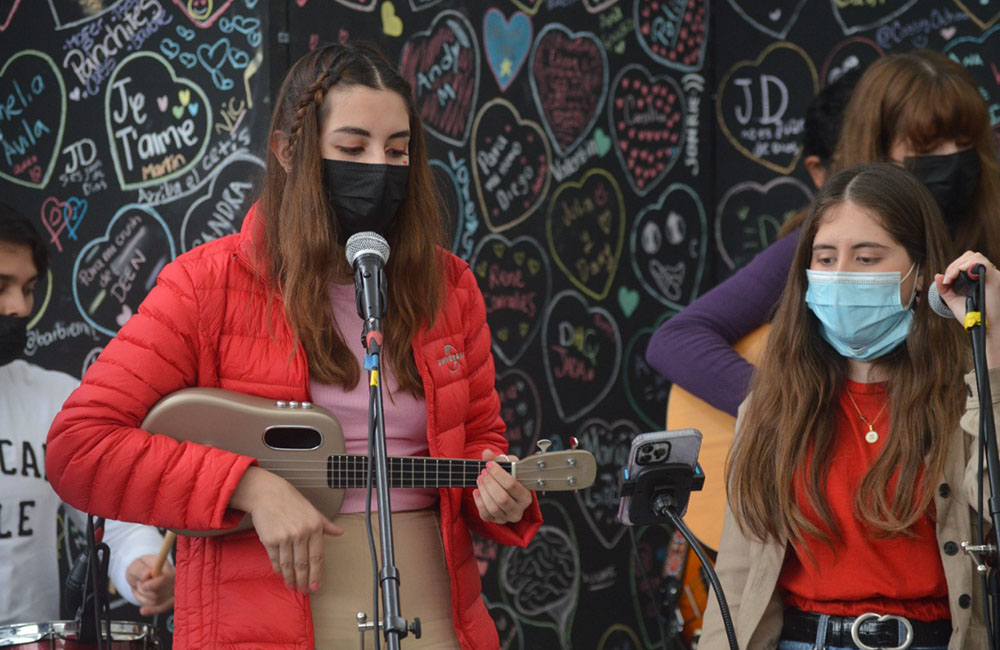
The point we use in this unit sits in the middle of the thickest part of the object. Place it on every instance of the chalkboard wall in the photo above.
(601, 162)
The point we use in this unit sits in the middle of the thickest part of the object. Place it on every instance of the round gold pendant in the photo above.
(871, 437)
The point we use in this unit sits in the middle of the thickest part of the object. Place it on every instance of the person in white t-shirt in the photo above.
(30, 397)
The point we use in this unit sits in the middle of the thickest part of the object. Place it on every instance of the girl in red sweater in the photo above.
(851, 482)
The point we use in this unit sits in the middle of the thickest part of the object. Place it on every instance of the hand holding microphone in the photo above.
(947, 294)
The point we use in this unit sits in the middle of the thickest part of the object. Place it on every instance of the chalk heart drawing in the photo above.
(750, 214)
(582, 352)
(529, 7)
(507, 44)
(773, 17)
(585, 230)
(673, 32)
(969, 51)
(667, 246)
(511, 164)
(619, 636)
(30, 83)
(755, 107)
(978, 11)
(569, 81)
(169, 142)
(113, 273)
(858, 16)
(220, 210)
(646, 572)
(54, 218)
(542, 580)
(515, 279)
(645, 389)
(442, 65)
(7, 9)
(203, 13)
(647, 125)
(609, 442)
(521, 410)
(852, 54)
(392, 25)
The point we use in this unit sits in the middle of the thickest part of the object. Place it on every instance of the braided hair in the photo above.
(296, 240)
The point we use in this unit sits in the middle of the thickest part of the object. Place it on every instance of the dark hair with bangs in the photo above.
(921, 98)
(297, 245)
(16, 229)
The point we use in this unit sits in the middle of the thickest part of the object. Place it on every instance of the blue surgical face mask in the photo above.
(860, 314)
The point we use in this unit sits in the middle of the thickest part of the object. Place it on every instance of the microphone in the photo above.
(368, 253)
(963, 284)
(76, 581)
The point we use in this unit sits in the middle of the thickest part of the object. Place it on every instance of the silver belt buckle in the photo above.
(856, 627)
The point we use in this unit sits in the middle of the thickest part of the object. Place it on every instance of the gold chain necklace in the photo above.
(872, 435)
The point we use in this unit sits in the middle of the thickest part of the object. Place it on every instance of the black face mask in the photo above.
(13, 337)
(364, 196)
(952, 179)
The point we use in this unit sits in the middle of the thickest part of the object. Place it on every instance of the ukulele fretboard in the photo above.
(351, 471)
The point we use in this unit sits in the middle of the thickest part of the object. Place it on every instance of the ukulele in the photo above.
(304, 444)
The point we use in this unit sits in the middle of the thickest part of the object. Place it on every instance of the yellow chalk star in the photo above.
(505, 70)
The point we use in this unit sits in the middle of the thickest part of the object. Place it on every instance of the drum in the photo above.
(62, 635)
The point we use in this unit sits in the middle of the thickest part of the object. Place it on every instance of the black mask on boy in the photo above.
(13, 337)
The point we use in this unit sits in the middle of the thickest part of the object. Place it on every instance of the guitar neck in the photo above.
(351, 471)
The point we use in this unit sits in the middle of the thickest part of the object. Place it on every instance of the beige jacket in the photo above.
(748, 570)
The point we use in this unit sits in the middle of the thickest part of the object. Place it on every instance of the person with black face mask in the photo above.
(30, 397)
(918, 109)
(270, 312)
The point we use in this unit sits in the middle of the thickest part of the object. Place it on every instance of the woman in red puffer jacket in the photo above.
(270, 312)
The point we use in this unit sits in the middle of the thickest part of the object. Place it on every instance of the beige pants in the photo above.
(424, 589)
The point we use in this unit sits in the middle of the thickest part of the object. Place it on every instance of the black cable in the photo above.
(645, 579)
(727, 620)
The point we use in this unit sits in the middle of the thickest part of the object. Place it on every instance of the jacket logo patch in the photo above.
(451, 358)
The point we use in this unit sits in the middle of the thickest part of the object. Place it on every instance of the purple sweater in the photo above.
(694, 349)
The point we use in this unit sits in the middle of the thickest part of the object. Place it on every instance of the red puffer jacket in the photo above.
(207, 323)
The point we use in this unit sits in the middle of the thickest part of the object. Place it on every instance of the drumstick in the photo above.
(168, 542)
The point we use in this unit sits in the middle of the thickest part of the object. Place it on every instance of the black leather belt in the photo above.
(867, 631)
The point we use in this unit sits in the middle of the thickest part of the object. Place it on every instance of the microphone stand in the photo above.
(986, 554)
(393, 624)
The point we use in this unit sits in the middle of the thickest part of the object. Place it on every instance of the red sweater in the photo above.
(206, 323)
(861, 573)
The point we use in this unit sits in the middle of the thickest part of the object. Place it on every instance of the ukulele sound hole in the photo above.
(295, 438)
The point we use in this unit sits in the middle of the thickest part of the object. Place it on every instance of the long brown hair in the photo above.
(791, 414)
(922, 97)
(298, 240)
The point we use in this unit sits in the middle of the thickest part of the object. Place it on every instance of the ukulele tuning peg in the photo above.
(544, 444)
(574, 442)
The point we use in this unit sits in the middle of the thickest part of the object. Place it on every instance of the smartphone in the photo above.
(677, 448)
